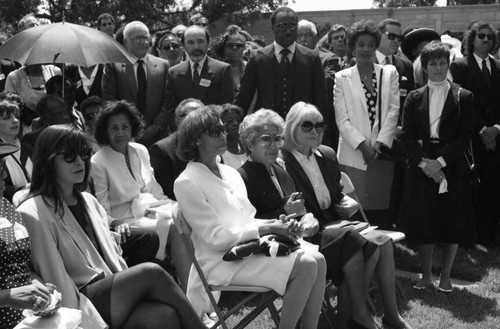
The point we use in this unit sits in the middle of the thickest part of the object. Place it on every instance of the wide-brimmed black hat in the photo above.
(414, 37)
(7, 149)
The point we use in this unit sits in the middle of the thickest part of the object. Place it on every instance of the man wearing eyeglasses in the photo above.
(200, 76)
(283, 72)
(479, 72)
(142, 82)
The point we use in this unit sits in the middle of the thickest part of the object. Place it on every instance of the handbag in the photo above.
(271, 245)
(396, 152)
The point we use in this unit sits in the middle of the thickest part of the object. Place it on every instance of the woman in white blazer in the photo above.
(213, 199)
(365, 128)
(72, 246)
(126, 187)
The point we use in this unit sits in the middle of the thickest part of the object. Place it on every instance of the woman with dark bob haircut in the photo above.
(214, 201)
(125, 184)
(72, 246)
(360, 28)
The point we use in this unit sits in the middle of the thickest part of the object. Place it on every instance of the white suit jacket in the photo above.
(351, 113)
(115, 187)
(220, 215)
(61, 252)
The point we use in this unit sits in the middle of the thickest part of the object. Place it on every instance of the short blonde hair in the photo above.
(253, 123)
(294, 118)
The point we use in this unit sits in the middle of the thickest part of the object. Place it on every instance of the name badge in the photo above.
(205, 83)
(2, 76)
(403, 92)
(4, 222)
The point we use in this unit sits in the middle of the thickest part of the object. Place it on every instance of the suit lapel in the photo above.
(283, 179)
(423, 113)
(187, 78)
(130, 75)
(449, 106)
(300, 70)
(152, 77)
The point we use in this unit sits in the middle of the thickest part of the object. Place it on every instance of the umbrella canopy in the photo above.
(64, 43)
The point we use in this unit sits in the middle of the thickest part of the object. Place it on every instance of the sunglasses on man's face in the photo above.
(481, 36)
(216, 131)
(392, 36)
(307, 126)
(235, 46)
(170, 46)
(69, 156)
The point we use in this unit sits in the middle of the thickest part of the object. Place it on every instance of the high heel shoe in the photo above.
(352, 324)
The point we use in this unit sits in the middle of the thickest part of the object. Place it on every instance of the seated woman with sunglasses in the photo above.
(229, 48)
(126, 187)
(213, 199)
(315, 171)
(72, 246)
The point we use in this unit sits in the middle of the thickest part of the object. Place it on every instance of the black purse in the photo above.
(396, 152)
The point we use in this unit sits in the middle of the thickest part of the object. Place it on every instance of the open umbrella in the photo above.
(64, 43)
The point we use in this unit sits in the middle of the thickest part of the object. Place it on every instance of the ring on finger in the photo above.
(38, 303)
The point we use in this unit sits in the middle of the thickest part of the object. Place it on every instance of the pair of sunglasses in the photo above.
(216, 131)
(307, 126)
(481, 36)
(392, 36)
(170, 46)
(267, 140)
(234, 45)
(69, 156)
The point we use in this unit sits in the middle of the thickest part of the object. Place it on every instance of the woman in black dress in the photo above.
(437, 128)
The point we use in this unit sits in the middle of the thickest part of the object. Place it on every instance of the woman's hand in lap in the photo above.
(34, 296)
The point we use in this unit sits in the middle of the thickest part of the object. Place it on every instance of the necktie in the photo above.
(284, 57)
(486, 73)
(142, 86)
(196, 75)
(387, 60)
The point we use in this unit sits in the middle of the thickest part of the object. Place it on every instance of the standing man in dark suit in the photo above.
(200, 76)
(142, 82)
(386, 54)
(284, 72)
(390, 40)
(479, 72)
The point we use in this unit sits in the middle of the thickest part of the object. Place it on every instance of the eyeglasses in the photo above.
(170, 46)
(267, 140)
(90, 116)
(284, 27)
(392, 36)
(69, 156)
(481, 36)
(235, 46)
(307, 126)
(216, 131)
(339, 37)
(139, 39)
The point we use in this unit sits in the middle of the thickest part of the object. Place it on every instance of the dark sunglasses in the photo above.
(391, 36)
(481, 36)
(171, 46)
(69, 156)
(90, 116)
(234, 45)
(216, 131)
(307, 126)
(267, 140)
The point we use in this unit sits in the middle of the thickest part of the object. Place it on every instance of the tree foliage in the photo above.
(404, 3)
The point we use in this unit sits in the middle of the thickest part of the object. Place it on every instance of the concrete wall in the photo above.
(453, 18)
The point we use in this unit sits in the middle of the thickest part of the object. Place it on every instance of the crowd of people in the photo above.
(246, 139)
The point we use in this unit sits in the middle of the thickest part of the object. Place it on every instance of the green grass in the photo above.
(474, 307)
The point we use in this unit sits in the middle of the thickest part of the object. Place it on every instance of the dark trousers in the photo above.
(488, 209)
(141, 246)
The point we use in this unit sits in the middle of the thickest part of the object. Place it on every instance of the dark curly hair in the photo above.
(472, 33)
(219, 43)
(191, 128)
(364, 27)
(114, 108)
(51, 141)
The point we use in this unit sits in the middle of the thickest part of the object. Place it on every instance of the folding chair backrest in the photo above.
(346, 181)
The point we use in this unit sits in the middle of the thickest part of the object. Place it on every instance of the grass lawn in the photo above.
(474, 306)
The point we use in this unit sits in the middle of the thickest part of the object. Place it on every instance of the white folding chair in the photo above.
(266, 295)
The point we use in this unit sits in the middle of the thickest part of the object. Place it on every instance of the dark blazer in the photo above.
(31, 137)
(119, 83)
(180, 85)
(95, 89)
(406, 78)
(467, 74)
(259, 73)
(261, 190)
(166, 163)
(330, 170)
